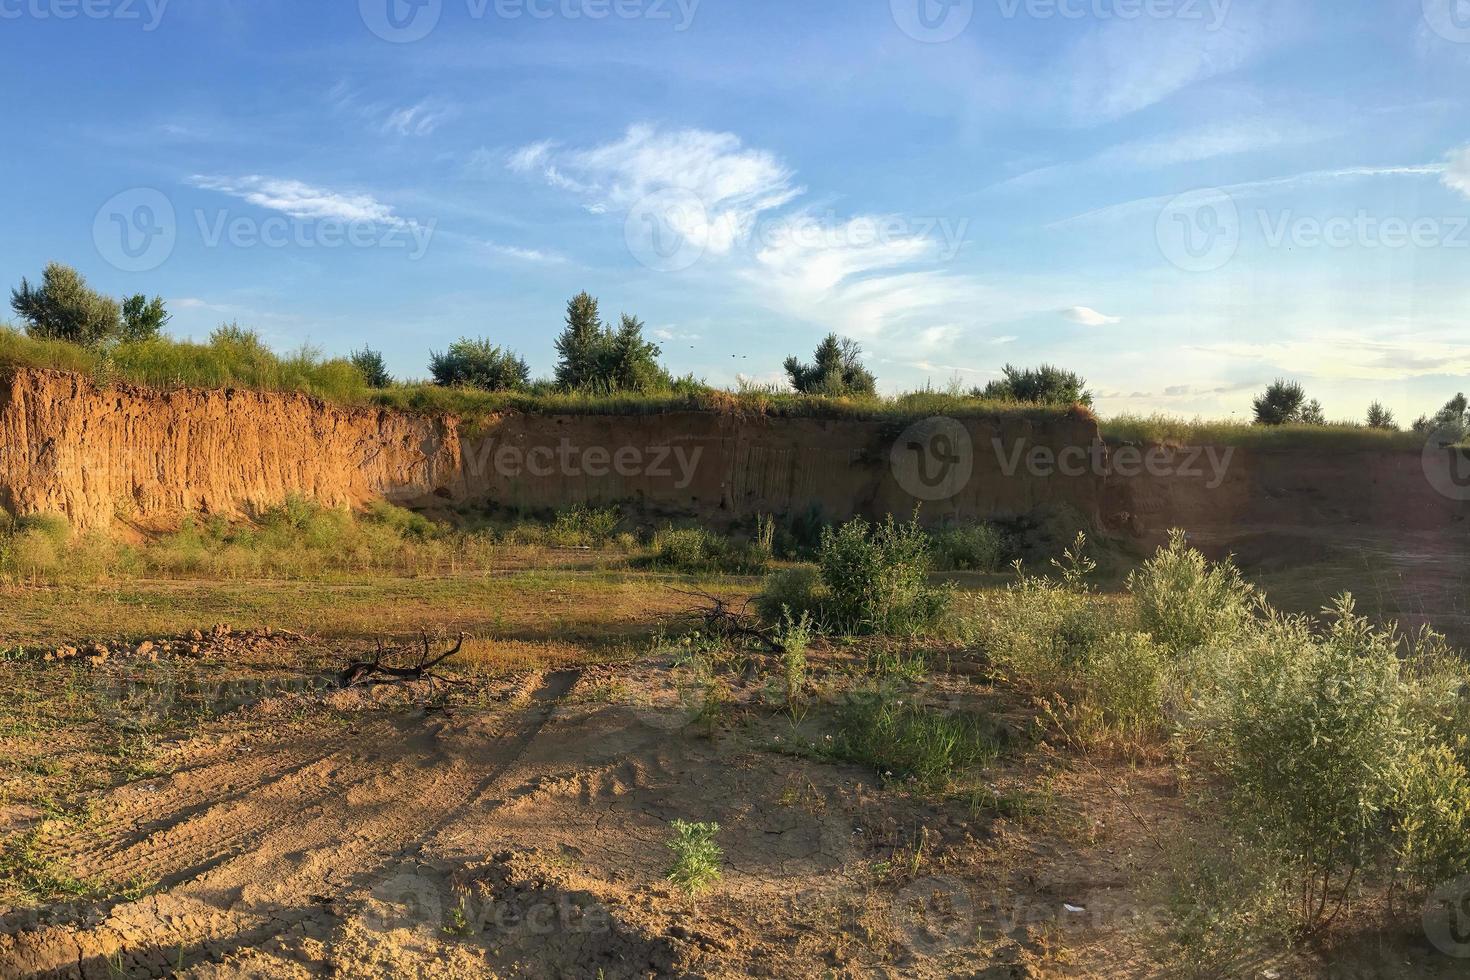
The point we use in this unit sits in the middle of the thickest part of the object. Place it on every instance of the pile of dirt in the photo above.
(219, 642)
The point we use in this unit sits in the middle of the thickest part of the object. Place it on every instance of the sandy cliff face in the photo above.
(727, 467)
(70, 447)
(1374, 491)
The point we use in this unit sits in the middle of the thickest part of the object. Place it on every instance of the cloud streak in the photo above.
(1353, 356)
(871, 273)
(301, 200)
(1089, 317)
(1256, 188)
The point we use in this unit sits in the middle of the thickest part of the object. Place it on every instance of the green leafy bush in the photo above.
(697, 857)
(374, 369)
(584, 527)
(1187, 602)
(593, 357)
(973, 547)
(1312, 744)
(1101, 682)
(836, 370)
(1044, 385)
(1120, 690)
(1040, 629)
(64, 307)
(797, 590)
(33, 547)
(793, 634)
(696, 550)
(1280, 404)
(877, 578)
(477, 363)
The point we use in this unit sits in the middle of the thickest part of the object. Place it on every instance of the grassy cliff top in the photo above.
(166, 364)
(1334, 437)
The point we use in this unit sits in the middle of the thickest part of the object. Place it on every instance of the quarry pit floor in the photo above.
(224, 812)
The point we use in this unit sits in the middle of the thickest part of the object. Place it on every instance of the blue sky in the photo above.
(1181, 199)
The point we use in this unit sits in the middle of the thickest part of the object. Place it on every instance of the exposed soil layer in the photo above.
(524, 834)
(99, 455)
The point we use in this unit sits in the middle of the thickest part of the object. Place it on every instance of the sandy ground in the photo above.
(358, 834)
(522, 833)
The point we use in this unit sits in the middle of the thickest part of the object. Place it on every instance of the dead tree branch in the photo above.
(730, 621)
(380, 669)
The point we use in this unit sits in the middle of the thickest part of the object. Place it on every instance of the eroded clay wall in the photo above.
(95, 454)
(725, 467)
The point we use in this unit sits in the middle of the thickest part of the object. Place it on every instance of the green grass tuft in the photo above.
(696, 855)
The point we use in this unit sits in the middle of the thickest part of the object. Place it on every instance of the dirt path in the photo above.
(523, 832)
(261, 840)
(525, 836)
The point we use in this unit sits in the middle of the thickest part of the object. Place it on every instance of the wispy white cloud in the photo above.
(870, 273)
(301, 200)
(529, 158)
(1258, 188)
(525, 254)
(1089, 317)
(1186, 146)
(1457, 171)
(417, 120)
(1353, 356)
(734, 184)
(1121, 67)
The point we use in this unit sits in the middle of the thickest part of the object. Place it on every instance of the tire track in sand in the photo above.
(310, 861)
